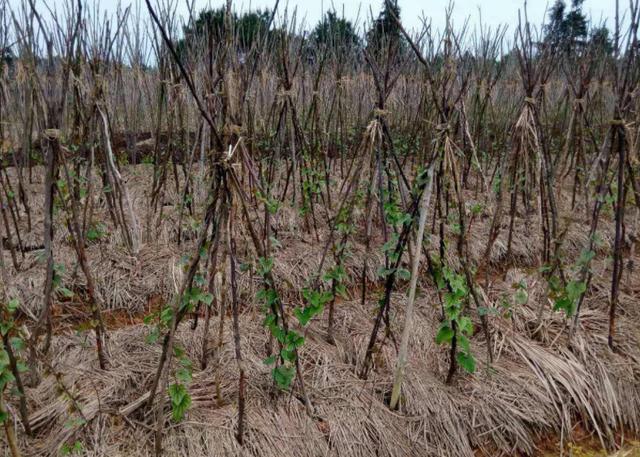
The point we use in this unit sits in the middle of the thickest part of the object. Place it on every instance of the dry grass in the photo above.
(538, 386)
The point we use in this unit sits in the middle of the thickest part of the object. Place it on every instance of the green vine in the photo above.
(456, 328)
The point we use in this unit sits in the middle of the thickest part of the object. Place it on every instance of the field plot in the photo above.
(234, 236)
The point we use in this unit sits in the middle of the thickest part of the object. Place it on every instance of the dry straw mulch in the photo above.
(538, 386)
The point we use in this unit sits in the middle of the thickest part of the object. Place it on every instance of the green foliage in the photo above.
(384, 32)
(404, 145)
(609, 199)
(248, 29)
(445, 334)
(284, 371)
(393, 212)
(265, 265)
(193, 296)
(184, 371)
(283, 375)
(585, 258)
(337, 273)
(180, 397)
(311, 180)
(5, 370)
(162, 320)
(456, 325)
(496, 184)
(344, 222)
(271, 203)
(13, 305)
(506, 304)
(453, 221)
(74, 421)
(397, 219)
(521, 296)
(7, 57)
(180, 401)
(315, 301)
(466, 361)
(96, 232)
(9, 329)
(289, 340)
(70, 449)
(566, 297)
(335, 32)
(477, 208)
(159, 321)
(58, 287)
(601, 40)
(567, 29)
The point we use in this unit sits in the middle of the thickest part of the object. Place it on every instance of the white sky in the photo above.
(494, 12)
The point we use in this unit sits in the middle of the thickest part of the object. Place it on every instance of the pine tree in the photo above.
(335, 32)
(567, 30)
(385, 33)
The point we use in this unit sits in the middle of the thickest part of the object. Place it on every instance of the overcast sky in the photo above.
(493, 12)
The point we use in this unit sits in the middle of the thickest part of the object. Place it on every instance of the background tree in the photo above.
(248, 27)
(335, 32)
(6, 56)
(567, 30)
(601, 40)
(575, 24)
(384, 32)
